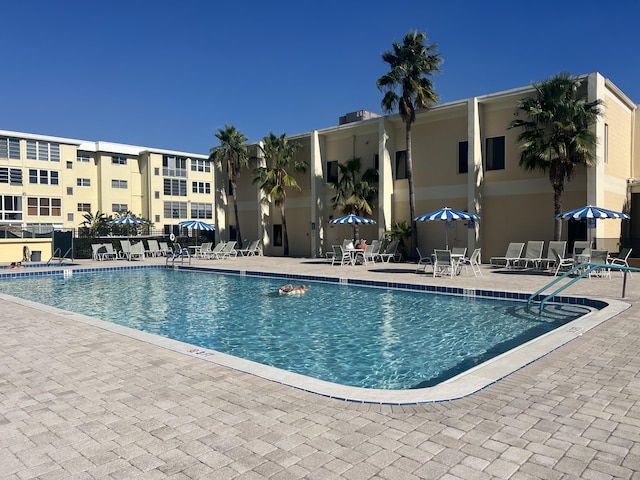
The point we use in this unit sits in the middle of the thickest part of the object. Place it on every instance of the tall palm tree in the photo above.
(354, 195)
(232, 151)
(412, 64)
(557, 133)
(279, 154)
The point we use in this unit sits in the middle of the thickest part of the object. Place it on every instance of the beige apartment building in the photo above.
(464, 156)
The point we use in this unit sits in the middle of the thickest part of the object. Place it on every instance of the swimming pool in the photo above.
(364, 337)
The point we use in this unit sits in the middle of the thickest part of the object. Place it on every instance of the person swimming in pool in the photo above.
(289, 289)
(15, 265)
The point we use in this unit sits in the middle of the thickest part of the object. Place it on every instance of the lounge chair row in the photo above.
(531, 256)
(129, 250)
(221, 251)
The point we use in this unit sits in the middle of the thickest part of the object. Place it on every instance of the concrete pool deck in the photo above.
(78, 401)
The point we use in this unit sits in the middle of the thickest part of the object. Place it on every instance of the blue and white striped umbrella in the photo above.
(447, 213)
(197, 225)
(353, 220)
(127, 221)
(590, 212)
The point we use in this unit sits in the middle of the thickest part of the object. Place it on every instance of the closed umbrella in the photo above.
(447, 214)
(588, 212)
(353, 220)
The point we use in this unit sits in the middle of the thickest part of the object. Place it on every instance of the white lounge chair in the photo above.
(165, 249)
(252, 249)
(153, 248)
(227, 251)
(390, 253)
(97, 251)
(136, 250)
(513, 254)
(532, 254)
(110, 253)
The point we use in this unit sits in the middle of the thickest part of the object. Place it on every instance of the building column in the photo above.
(385, 180)
(475, 173)
(596, 175)
(316, 181)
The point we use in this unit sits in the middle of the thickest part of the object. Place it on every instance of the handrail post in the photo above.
(624, 282)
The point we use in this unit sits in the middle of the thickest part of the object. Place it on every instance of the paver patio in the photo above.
(77, 401)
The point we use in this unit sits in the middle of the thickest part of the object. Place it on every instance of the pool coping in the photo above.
(460, 386)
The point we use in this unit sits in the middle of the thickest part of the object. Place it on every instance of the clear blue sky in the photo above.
(168, 74)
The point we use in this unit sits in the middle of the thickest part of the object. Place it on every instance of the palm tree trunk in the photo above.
(557, 208)
(285, 236)
(412, 196)
(235, 211)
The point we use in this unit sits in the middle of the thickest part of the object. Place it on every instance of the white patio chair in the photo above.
(621, 259)
(341, 256)
(550, 260)
(390, 253)
(366, 255)
(600, 257)
(423, 261)
(562, 263)
(444, 264)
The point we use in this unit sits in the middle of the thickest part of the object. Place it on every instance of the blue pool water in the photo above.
(357, 336)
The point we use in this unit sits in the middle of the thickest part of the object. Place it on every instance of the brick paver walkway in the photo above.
(80, 402)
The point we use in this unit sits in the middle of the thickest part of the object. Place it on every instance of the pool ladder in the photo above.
(582, 270)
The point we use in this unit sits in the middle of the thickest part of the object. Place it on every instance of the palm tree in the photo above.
(557, 133)
(354, 195)
(232, 151)
(412, 64)
(95, 224)
(278, 154)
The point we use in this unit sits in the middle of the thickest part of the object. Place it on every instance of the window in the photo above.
(118, 160)
(201, 187)
(10, 207)
(277, 235)
(69, 190)
(69, 217)
(200, 165)
(83, 182)
(83, 157)
(175, 187)
(175, 209)
(69, 165)
(201, 210)
(332, 171)
(174, 166)
(156, 195)
(44, 207)
(401, 164)
(463, 157)
(12, 176)
(494, 154)
(43, 177)
(156, 172)
(606, 143)
(157, 218)
(84, 207)
(119, 207)
(45, 151)
(10, 148)
(118, 184)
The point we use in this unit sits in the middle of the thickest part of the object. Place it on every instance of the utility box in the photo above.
(36, 256)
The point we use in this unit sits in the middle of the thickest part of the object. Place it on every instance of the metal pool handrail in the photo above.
(586, 268)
